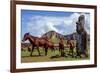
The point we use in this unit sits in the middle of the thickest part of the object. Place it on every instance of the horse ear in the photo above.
(28, 33)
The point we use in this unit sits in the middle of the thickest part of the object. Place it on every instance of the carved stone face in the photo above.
(79, 27)
(80, 24)
(81, 20)
(82, 17)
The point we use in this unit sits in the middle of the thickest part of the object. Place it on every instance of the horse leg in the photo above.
(62, 52)
(69, 51)
(32, 50)
(46, 50)
(38, 50)
(72, 52)
(59, 50)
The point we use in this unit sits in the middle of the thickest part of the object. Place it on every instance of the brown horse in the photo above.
(61, 46)
(71, 45)
(48, 44)
(38, 42)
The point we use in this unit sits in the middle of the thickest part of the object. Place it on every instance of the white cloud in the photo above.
(38, 25)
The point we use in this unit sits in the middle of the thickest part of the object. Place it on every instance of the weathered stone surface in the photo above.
(81, 36)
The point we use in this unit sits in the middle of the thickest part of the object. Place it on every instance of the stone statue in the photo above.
(81, 38)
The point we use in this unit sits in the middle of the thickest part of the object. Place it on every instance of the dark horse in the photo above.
(71, 45)
(61, 46)
(38, 42)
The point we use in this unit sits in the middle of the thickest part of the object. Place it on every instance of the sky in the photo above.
(38, 22)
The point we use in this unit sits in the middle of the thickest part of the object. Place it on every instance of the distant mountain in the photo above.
(53, 36)
(57, 35)
(50, 34)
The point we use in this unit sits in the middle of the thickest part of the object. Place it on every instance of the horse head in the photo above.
(61, 38)
(26, 36)
(68, 41)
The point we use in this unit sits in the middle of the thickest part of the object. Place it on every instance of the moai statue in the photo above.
(80, 24)
(81, 37)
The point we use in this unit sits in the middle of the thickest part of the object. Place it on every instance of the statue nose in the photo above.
(22, 40)
(77, 22)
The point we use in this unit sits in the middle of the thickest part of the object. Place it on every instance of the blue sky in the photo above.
(39, 22)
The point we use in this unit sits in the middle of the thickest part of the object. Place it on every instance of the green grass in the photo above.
(25, 56)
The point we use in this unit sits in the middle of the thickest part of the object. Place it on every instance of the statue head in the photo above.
(80, 24)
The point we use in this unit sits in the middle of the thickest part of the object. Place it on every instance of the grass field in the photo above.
(51, 56)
